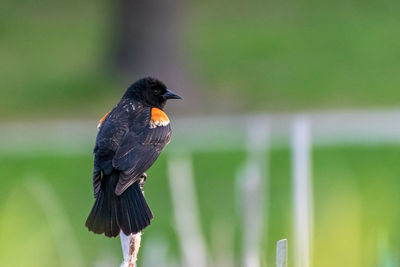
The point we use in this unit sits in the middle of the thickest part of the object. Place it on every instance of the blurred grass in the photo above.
(260, 56)
(282, 55)
(354, 205)
(53, 59)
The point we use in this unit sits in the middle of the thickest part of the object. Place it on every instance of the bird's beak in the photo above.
(171, 95)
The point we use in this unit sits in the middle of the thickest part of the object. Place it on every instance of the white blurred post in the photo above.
(281, 253)
(180, 174)
(125, 242)
(302, 183)
(130, 248)
(252, 182)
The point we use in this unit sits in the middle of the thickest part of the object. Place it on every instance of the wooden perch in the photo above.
(130, 248)
(134, 249)
(131, 244)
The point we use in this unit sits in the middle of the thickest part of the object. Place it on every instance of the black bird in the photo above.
(130, 139)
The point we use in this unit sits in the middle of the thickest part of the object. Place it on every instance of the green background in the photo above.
(253, 56)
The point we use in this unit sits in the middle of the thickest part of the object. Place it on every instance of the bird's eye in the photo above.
(156, 91)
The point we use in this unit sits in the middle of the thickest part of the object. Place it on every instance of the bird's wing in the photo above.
(112, 129)
(139, 149)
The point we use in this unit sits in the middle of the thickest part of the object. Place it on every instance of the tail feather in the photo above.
(147, 212)
(110, 214)
(94, 218)
(134, 214)
(110, 219)
(146, 215)
(138, 214)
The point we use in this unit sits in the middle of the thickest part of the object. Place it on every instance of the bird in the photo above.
(129, 140)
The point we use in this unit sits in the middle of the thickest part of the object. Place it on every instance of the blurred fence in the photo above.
(212, 133)
(257, 134)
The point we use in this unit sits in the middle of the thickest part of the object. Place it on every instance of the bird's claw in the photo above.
(142, 180)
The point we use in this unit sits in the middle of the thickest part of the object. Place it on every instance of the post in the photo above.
(181, 181)
(130, 248)
(131, 243)
(252, 212)
(281, 253)
(252, 183)
(302, 187)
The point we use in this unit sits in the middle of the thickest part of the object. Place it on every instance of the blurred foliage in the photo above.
(258, 56)
(53, 58)
(285, 55)
(355, 206)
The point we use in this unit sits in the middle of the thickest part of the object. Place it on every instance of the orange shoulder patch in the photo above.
(158, 118)
(102, 120)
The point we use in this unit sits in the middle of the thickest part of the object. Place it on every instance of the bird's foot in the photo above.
(142, 180)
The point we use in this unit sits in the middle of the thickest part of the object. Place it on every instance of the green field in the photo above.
(356, 211)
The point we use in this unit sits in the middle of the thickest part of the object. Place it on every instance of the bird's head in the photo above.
(151, 92)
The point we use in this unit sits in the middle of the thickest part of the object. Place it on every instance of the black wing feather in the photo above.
(137, 152)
